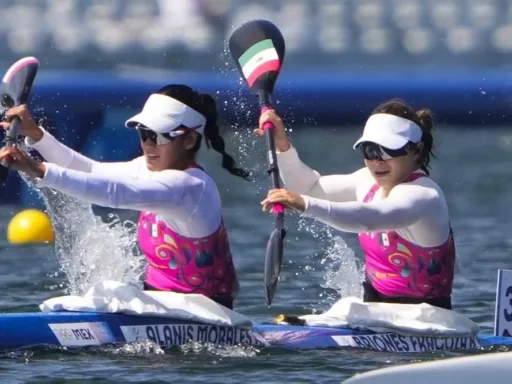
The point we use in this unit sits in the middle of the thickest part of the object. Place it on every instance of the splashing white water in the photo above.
(220, 350)
(89, 250)
(144, 347)
(343, 271)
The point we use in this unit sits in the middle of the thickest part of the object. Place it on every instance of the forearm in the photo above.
(57, 153)
(153, 195)
(385, 215)
(301, 179)
(53, 151)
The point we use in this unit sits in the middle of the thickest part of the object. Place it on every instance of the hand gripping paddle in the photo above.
(15, 90)
(258, 48)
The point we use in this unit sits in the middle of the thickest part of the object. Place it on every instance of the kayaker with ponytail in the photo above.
(399, 212)
(181, 230)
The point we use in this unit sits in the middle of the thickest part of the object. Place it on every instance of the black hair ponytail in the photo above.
(205, 105)
(215, 140)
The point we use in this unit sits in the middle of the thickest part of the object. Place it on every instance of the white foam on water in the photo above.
(144, 347)
(223, 351)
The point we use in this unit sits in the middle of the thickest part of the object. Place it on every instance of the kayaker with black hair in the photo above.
(180, 230)
(399, 212)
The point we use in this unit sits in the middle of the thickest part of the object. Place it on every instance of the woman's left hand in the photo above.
(285, 197)
(21, 162)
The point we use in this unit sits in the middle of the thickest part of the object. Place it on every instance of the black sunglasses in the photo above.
(158, 138)
(372, 151)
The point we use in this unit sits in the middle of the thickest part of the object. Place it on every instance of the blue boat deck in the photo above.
(73, 329)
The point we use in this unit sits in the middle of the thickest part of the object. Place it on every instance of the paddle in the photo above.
(258, 48)
(15, 90)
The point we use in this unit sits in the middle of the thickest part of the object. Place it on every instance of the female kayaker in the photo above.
(181, 230)
(399, 212)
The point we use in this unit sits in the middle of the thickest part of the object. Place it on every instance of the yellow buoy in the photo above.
(30, 226)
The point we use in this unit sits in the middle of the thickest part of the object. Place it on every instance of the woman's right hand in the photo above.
(281, 141)
(28, 126)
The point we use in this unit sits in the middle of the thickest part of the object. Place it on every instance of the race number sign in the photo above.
(503, 315)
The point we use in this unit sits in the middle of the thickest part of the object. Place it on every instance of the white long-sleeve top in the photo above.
(417, 210)
(188, 201)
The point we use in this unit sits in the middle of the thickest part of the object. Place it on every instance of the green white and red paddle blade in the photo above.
(15, 90)
(258, 49)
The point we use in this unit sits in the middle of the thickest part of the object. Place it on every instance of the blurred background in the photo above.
(101, 59)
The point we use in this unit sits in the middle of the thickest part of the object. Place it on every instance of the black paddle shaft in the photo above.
(273, 169)
(9, 140)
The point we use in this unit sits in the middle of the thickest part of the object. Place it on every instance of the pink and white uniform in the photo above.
(181, 231)
(398, 267)
(406, 237)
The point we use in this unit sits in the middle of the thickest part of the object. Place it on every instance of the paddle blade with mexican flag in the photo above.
(258, 48)
(15, 90)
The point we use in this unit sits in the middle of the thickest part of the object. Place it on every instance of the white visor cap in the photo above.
(390, 131)
(163, 114)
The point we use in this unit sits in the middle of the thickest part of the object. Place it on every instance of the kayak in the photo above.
(82, 328)
(75, 330)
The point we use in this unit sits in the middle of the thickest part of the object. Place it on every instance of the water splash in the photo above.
(249, 150)
(88, 249)
(143, 347)
(220, 350)
(344, 272)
